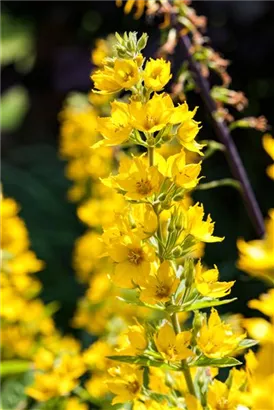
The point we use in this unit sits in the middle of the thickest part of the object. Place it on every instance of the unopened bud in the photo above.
(177, 252)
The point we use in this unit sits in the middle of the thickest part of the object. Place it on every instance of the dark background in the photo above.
(61, 35)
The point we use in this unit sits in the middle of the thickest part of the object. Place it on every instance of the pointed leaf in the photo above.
(199, 304)
(223, 362)
(146, 361)
(246, 344)
(9, 367)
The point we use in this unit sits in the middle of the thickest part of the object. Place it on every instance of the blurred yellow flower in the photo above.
(268, 144)
(257, 257)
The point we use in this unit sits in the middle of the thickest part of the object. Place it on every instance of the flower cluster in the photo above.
(149, 246)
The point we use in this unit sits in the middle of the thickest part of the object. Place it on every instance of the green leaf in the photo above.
(137, 302)
(14, 106)
(146, 361)
(199, 304)
(246, 344)
(223, 362)
(9, 367)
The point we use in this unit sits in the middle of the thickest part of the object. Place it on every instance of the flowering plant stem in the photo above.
(186, 371)
(224, 136)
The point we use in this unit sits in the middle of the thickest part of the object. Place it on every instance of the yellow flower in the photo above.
(153, 115)
(173, 347)
(182, 114)
(100, 52)
(104, 81)
(157, 379)
(184, 175)
(268, 144)
(132, 261)
(207, 282)
(156, 74)
(73, 403)
(159, 287)
(259, 328)
(186, 135)
(134, 341)
(139, 182)
(115, 129)
(96, 386)
(139, 4)
(192, 403)
(264, 304)
(47, 385)
(144, 220)
(219, 397)
(95, 357)
(216, 339)
(199, 229)
(126, 383)
(88, 250)
(257, 257)
(44, 359)
(124, 74)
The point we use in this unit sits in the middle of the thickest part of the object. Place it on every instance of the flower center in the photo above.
(156, 73)
(143, 187)
(150, 121)
(222, 404)
(133, 387)
(162, 290)
(136, 256)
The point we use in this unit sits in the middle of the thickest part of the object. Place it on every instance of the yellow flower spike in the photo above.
(215, 339)
(268, 144)
(199, 229)
(132, 261)
(257, 257)
(207, 282)
(173, 347)
(153, 115)
(73, 403)
(156, 74)
(220, 398)
(160, 287)
(139, 182)
(184, 175)
(186, 135)
(126, 383)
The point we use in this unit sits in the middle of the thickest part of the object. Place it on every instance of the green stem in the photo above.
(186, 370)
(150, 151)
